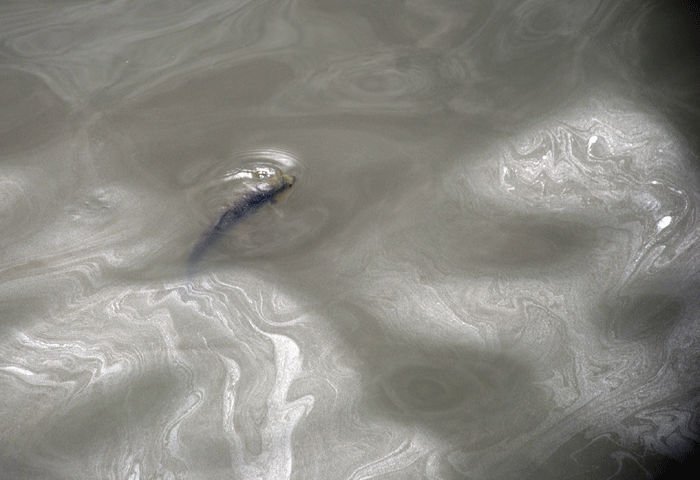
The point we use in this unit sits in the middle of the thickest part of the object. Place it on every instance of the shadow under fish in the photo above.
(267, 191)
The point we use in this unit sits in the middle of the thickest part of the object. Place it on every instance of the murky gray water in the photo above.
(487, 267)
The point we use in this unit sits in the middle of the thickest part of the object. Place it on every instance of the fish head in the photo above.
(282, 184)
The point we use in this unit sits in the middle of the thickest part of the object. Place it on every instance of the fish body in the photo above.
(267, 191)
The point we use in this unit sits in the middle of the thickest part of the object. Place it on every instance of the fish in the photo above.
(268, 191)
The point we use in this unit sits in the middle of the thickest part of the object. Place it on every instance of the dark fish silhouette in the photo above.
(269, 190)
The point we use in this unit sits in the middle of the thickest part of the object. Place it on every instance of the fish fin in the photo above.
(278, 213)
(276, 197)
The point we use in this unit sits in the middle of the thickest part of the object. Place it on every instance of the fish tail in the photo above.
(200, 250)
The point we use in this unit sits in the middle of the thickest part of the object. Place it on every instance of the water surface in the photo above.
(486, 268)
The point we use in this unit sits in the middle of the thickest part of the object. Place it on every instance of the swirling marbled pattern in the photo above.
(487, 267)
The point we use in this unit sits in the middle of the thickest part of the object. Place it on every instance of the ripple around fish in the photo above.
(289, 224)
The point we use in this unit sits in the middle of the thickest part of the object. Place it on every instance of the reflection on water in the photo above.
(486, 268)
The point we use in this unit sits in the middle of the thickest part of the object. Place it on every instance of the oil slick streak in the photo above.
(269, 190)
(282, 416)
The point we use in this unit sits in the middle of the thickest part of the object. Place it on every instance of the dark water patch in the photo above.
(30, 114)
(506, 244)
(654, 49)
(471, 397)
(587, 456)
(647, 316)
